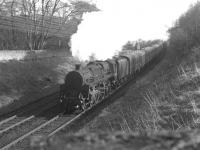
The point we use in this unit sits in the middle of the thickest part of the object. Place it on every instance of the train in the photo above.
(86, 86)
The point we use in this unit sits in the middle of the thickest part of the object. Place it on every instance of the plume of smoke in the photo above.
(96, 35)
(104, 33)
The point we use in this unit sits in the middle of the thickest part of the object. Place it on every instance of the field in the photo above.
(160, 111)
(28, 75)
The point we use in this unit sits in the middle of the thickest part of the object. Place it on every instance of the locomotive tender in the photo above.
(86, 86)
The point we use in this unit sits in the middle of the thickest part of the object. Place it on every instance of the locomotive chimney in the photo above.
(77, 66)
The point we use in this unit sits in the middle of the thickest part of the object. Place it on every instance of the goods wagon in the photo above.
(131, 60)
(122, 68)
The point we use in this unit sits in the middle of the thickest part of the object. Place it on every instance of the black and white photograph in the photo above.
(99, 74)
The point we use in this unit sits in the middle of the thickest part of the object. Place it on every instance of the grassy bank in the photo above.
(27, 77)
(164, 99)
(160, 111)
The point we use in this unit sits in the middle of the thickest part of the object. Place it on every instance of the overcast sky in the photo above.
(105, 32)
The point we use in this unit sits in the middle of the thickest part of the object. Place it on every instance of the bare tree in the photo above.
(49, 17)
(41, 19)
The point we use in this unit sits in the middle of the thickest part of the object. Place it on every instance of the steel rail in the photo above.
(8, 119)
(26, 119)
(16, 124)
(68, 122)
(64, 125)
(82, 113)
(112, 93)
(28, 134)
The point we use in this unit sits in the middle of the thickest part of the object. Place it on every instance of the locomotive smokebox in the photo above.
(77, 67)
(74, 81)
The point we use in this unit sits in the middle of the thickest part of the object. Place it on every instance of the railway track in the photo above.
(13, 128)
(29, 107)
(16, 138)
(17, 122)
(15, 131)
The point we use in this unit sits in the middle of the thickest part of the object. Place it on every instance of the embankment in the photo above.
(26, 76)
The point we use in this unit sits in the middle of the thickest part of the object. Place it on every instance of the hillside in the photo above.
(26, 76)
(159, 111)
(164, 99)
(155, 112)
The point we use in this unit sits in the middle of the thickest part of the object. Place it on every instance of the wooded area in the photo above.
(39, 24)
(185, 33)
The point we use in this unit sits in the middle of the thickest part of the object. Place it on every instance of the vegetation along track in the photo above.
(45, 123)
(20, 120)
(14, 132)
(85, 117)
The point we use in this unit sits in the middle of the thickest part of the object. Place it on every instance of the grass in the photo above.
(166, 100)
(35, 75)
(160, 111)
(173, 104)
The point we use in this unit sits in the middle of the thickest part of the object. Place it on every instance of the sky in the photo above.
(104, 33)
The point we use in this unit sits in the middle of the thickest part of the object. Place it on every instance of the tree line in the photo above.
(185, 33)
(139, 44)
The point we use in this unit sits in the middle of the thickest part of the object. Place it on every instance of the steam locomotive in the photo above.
(86, 86)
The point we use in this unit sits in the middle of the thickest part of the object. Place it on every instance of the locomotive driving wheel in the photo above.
(83, 100)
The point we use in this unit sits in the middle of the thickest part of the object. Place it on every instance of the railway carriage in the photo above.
(132, 62)
(142, 58)
(137, 60)
(151, 52)
(113, 71)
(122, 68)
(148, 54)
(113, 67)
(135, 56)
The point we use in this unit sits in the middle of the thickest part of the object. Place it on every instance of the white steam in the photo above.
(103, 33)
(97, 36)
